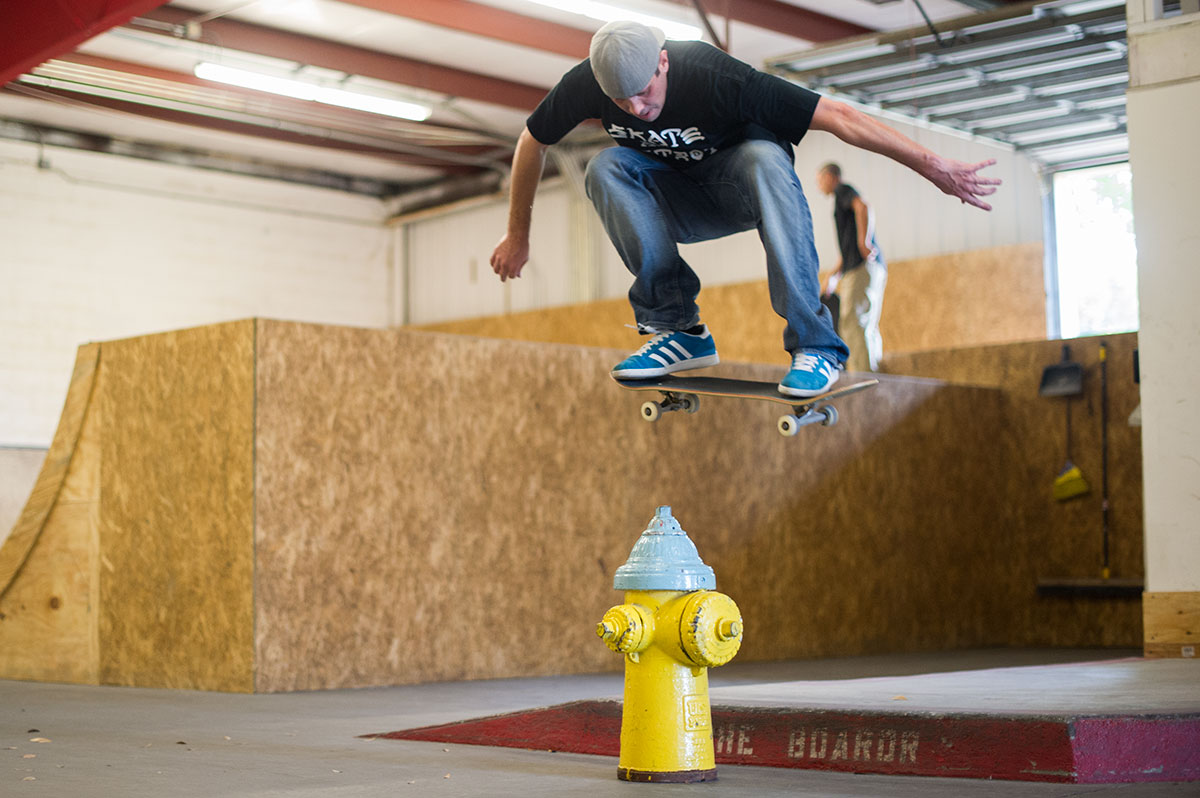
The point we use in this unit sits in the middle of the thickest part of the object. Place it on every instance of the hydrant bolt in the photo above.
(728, 629)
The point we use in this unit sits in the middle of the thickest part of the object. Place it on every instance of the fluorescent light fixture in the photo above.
(1062, 65)
(830, 56)
(1116, 101)
(1118, 144)
(1021, 116)
(919, 64)
(1015, 45)
(302, 90)
(1083, 84)
(929, 89)
(1052, 134)
(610, 13)
(975, 104)
(1074, 9)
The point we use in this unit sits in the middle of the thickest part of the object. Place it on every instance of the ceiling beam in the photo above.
(269, 129)
(490, 22)
(47, 136)
(495, 23)
(31, 33)
(310, 50)
(786, 18)
(300, 111)
(296, 119)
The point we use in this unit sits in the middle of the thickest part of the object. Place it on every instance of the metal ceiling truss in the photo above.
(47, 136)
(1047, 78)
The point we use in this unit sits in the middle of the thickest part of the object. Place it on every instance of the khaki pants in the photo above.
(861, 295)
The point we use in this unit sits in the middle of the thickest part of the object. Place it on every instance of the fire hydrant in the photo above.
(672, 628)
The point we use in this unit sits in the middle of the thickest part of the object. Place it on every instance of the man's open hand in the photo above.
(962, 180)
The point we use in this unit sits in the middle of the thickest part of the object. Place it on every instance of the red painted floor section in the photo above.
(1060, 748)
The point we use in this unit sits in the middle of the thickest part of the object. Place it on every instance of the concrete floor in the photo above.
(1133, 686)
(105, 741)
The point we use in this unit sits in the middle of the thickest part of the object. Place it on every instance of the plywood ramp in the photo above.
(132, 561)
(275, 506)
(48, 563)
(176, 534)
(417, 521)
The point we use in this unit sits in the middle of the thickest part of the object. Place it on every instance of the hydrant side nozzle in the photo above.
(710, 626)
(627, 628)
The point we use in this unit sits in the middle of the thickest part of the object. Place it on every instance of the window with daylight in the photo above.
(1096, 254)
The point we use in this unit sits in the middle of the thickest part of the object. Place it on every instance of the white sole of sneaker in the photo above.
(683, 365)
(800, 393)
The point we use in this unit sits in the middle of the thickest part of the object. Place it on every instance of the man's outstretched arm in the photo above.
(953, 177)
(511, 254)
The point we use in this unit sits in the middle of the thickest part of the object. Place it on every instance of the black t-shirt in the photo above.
(713, 101)
(847, 227)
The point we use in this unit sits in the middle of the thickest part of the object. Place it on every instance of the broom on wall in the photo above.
(1066, 379)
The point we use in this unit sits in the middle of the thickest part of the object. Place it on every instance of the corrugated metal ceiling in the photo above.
(1047, 78)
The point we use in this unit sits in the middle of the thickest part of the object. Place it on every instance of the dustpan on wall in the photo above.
(1064, 378)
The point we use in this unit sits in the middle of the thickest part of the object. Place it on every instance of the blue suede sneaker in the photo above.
(812, 374)
(666, 353)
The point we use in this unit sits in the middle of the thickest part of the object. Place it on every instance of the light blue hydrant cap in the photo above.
(664, 558)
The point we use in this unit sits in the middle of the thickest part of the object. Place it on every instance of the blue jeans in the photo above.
(648, 208)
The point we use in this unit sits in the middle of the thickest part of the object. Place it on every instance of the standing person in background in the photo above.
(861, 275)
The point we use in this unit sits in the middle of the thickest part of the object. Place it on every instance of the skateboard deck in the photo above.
(683, 393)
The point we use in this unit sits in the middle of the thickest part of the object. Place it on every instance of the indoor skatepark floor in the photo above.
(107, 741)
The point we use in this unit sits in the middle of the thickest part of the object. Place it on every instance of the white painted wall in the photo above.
(447, 256)
(97, 247)
(1164, 128)
(18, 471)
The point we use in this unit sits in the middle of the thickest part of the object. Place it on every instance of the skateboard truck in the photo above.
(802, 415)
(671, 401)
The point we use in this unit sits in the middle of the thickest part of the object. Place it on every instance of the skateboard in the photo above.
(683, 393)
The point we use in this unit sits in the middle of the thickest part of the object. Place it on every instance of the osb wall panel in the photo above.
(48, 604)
(176, 529)
(1172, 622)
(963, 299)
(438, 507)
(1045, 538)
(985, 296)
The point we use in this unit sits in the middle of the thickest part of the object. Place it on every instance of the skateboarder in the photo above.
(705, 152)
(861, 274)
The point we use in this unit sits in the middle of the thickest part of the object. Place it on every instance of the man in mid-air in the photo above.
(705, 151)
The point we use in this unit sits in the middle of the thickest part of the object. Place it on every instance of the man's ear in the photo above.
(662, 61)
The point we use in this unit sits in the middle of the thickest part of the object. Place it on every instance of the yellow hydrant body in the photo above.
(670, 637)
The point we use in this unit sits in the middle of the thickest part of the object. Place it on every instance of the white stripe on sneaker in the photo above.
(668, 353)
(681, 349)
(662, 360)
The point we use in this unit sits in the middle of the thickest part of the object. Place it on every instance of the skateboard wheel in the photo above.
(690, 402)
(651, 411)
(788, 425)
(831, 416)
